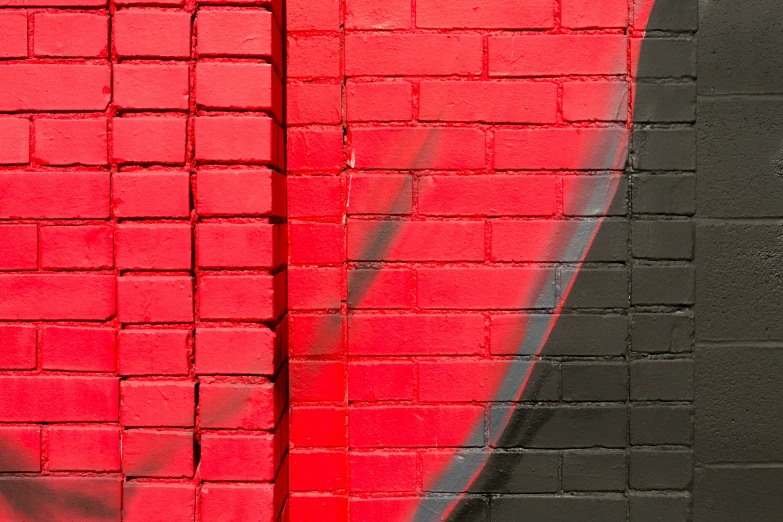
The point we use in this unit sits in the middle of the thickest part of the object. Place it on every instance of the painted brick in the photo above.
(55, 87)
(237, 245)
(316, 243)
(367, 14)
(71, 35)
(484, 14)
(379, 101)
(70, 142)
(237, 502)
(240, 32)
(151, 33)
(155, 299)
(315, 149)
(333, 475)
(586, 14)
(153, 352)
(22, 446)
(57, 297)
(237, 406)
(153, 247)
(76, 247)
(151, 194)
(383, 472)
(17, 347)
(157, 404)
(15, 133)
(164, 454)
(58, 399)
(235, 351)
(317, 288)
(222, 85)
(238, 457)
(591, 101)
(316, 381)
(318, 426)
(84, 449)
(149, 140)
(313, 103)
(78, 349)
(309, 15)
(379, 288)
(314, 196)
(236, 140)
(380, 194)
(313, 57)
(142, 501)
(239, 192)
(105, 492)
(241, 297)
(53, 195)
(151, 86)
(374, 381)
(13, 34)
(18, 247)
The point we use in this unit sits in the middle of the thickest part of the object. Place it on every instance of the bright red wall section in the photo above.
(142, 281)
(449, 164)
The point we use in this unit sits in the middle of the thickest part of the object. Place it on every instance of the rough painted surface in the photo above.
(142, 253)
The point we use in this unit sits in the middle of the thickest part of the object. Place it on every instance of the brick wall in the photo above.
(141, 250)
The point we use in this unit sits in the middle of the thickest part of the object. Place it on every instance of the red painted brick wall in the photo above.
(142, 256)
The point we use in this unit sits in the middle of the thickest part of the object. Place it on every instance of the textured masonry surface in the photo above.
(510, 260)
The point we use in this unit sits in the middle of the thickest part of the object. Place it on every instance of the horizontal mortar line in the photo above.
(740, 343)
(745, 465)
(765, 95)
(740, 220)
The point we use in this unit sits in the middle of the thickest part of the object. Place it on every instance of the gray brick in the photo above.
(519, 472)
(665, 103)
(661, 424)
(588, 334)
(610, 243)
(663, 239)
(553, 427)
(576, 202)
(660, 507)
(595, 381)
(671, 15)
(663, 285)
(594, 470)
(740, 157)
(667, 58)
(664, 194)
(596, 287)
(738, 398)
(661, 469)
(664, 149)
(662, 380)
(662, 333)
(544, 382)
(558, 509)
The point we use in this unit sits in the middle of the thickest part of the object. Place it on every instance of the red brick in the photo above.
(241, 297)
(18, 247)
(313, 15)
(381, 289)
(488, 195)
(305, 507)
(21, 449)
(151, 194)
(237, 32)
(313, 335)
(149, 140)
(418, 148)
(437, 426)
(78, 349)
(248, 351)
(76, 247)
(396, 508)
(13, 34)
(485, 14)
(54, 87)
(153, 247)
(380, 194)
(594, 14)
(486, 288)
(151, 33)
(221, 85)
(224, 139)
(237, 503)
(17, 347)
(70, 142)
(421, 334)
(383, 472)
(231, 245)
(405, 55)
(379, 101)
(167, 3)
(313, 103)
(68, 498)
(157, 404)
(316, 381)
(148, 453)
(316, 243)
(562, 148)
(314, 288)
(371, 14)
(153, 352)
(52, 195)
(238, 457)
(58, 399)
(537, 241)
(84, 448)
(153, 86)
(496, 102)
(239, 192)
(313, 57)
(71, 35)
(237, 406)
(172, 502)
(315, 149)
(314, 196)
(332, 470)
(415, 240)
(464, 380)
(318, 426)
(590, 101)
(155, 299)
(557, 55)
(373, 381)
(51, 297)
(15, 134)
